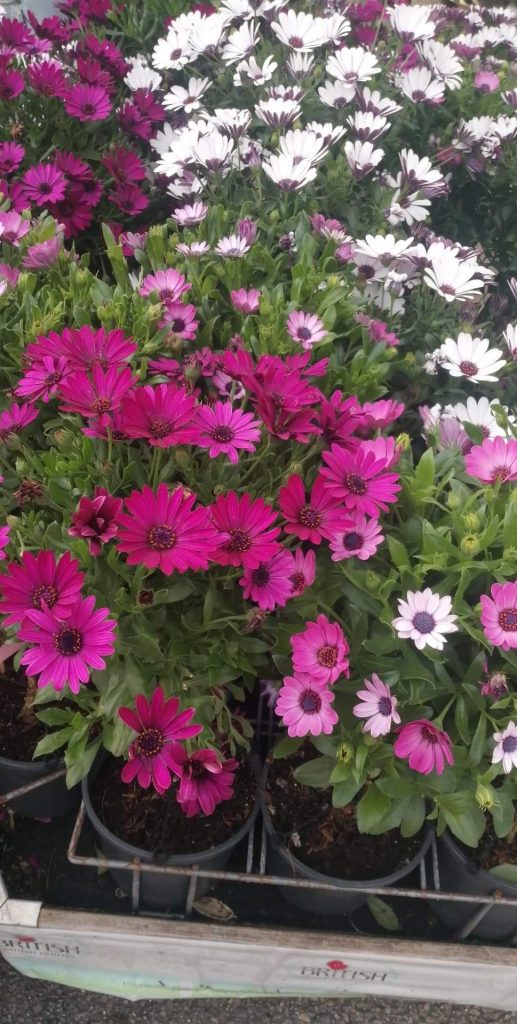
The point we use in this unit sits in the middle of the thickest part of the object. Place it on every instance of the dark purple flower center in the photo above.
(223, 435)
(149, 742)
(418, 94)
(260, 576)
(509, 744)
(196, 769)
(508, 620)
(310, 702)
(500, 473)
(304, 333)
(385, 706)
(298, 581)
(308, 516)
(45, 188)
(469, 369)
(101, 405)
(161, 538)
(327, 656)
(69, 641)
(240, 540)
(88, 108)
(352, 541)
(48, 594)
(355, 484)
(178, 325)
(53, 379)
(295, 42)
(159, 428)
(424, 622)
(429, 734)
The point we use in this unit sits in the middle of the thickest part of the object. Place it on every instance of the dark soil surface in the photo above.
(493, 851)
(326, 837)
(156, 823)
(19, 731)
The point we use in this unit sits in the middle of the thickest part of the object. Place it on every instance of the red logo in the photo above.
(337, 965)
(25, 938)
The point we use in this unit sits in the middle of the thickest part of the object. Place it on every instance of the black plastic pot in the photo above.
(51, 800)
(328, 902)
(458, 873)
(161, 892)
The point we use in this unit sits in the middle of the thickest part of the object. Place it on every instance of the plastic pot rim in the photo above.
(484, 876)
(52, 763)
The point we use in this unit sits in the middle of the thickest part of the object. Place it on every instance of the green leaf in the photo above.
(54, 716)
(510, 526)
(413, 815)
(383, 914)
(315, 773)
(398, 553)
(325, 744)
(461, 719)
(424, 474)
(478, 742)
(463, 816)
(343, 793)
(81, 764)
(145, 647)
(506, 872)
(53, 741)
(503, 812)
(371, 809)
(286, 746)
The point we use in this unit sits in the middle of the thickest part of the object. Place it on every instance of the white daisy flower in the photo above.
(368, 126)
(419, 174)
(233, 246)
(277, 113)
(383, 250)
(173, 52)
(187, 216)
(372, 101)
(213, 151)
(328, 132)
(142, 77)
(256, 73)
(472, 358)
(232, 121)
(424, 617)
(480, 413)
(194, 250)
(510, 337)
(241, 43)
(303, 145)
(334, 27)
(299, 31)
(505, 751)
(165, 139)
(248, 8)
(207, 33)
(406, 208)
(352, 65)
(185, 186)
(453, 278)
(419, 86)
(362, 157)
(289, 173)
(299, 65)
(442, 61)
(411, 23)
(336, 94)
(188, 99)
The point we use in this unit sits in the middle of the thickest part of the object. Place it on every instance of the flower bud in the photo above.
(496, 686)
(403, 442)
(63, 438)
(333, 281)
(373, 580)
(471, 521)
(454, 501)
(470, 544)
(153, 312)
(409, 358)
(274, 217)
(295, 467)
(105, 312)
(157, 231)
(344, 753)
(82, 276)
(485, 797)
(181, 457)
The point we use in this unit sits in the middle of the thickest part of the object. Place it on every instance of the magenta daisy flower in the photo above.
(246, 302)
(499, 615)
(47, 77)
(358, 536)
(358, 477)
(43, 380)
(88, 103)
(163, 531)
(244, 525)
(225, 430)
(269, 584)
(11, 84)
(304, 571)
(86, 348)
(11, 156)
(321, 651)
(206, 780)
(130, 199)
(158, 723)
(16, 418)
(426, 747)
(65, 650)
(95, 394)
(170, 285)
(378, 415)
(44, 184)
(495, 459)
(378, 706)
(96, 519)
(162, 414)
(305, 328)
(42, 583)
(304, 705)
(310, 519)
(181, 320)
(43, 254)
(4, 540)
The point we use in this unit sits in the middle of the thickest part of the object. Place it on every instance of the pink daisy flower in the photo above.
(306, 328)
(426, 747)
(310, 519)
(42, 583)
(244, 524)
(162, 414)
(86, 348)
(96, 519)
(95, 394)
(378, 706)
(187, 216)
(495, 459)
(304, 706)
(181, 320)
(88, 103)
(269, 584)
(66, 649)
(378, 415)
(43, 254)
(304, 572)
(358, 478)
(225, 430)
(246, 302)
(321, 651)
(13, 227)
(499, 615)
(4, 540)
(11, 156)
(43, 380)
(158, 723)
(15, 419)
(169, 285)
(44, 184)
(130, 199)
(206, 779)
(358, 537)
(338, 418)
(163, 531)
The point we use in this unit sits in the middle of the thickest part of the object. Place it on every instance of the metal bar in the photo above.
(135, 889)
(6, 798)
(474, 920)
(436, 866)
(191, 892)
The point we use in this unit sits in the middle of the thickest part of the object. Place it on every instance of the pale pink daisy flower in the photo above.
(304, 705)
(472, 358)
(505, 751)
(424, 617)
(246, 301)
(305, 328)
(170, 285)
(321, 651)
(425, 746)
(494, 460)
(499, 615)
(225, 430)
(4, 540)
(358, 537)
(269, 584)
(378, 706)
